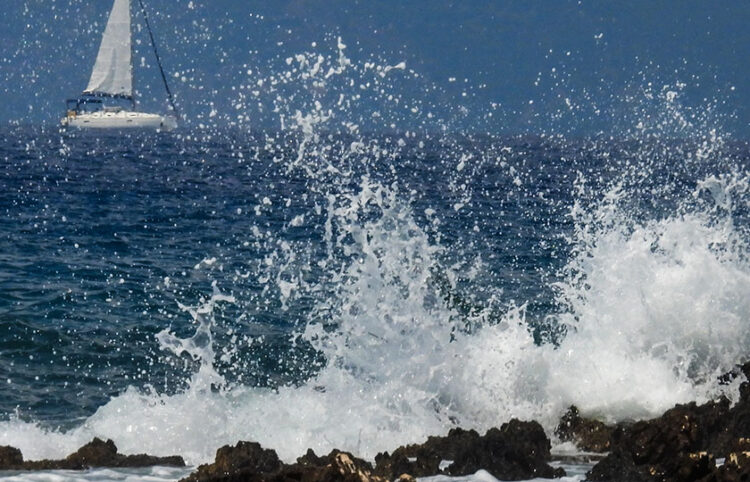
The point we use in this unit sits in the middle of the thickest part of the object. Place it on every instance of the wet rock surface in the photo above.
(96, 453)
(690, 442)
(683, 444)
(243, 458)
(588, 435)
(423, 460)
(248, 461)
(517, 450)
(10, 457)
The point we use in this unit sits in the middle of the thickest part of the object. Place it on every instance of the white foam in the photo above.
(655, 310)
(655, 313)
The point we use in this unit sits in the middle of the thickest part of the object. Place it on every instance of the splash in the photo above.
(652, 307)
(654, 310)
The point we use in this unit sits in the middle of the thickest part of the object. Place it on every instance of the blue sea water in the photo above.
(450, 279)
(93, 225)
(329, 286)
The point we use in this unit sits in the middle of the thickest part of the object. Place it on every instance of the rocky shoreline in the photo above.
(706, 443)
(96, 453)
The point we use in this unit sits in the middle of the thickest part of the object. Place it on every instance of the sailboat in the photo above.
(111, 82)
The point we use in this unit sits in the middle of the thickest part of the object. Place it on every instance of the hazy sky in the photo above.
(581, 66)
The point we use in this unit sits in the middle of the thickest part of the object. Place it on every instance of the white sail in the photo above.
(113, 70)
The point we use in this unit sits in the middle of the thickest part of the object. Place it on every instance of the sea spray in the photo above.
(372, 256)
(655, 312)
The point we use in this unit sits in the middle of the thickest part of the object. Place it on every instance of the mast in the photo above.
(158, 60)
(132, 54)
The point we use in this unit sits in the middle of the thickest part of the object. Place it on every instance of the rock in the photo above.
(447, 447)
(424, 463)
(669, 448)
(345, 467)
(405, 478)
(736, 468)
(311, 459)
(104, 454)
(735, 372)
(588, 435)
(734, 429)
(143, 460)
(245, 458)
(516, 451)
(423, 460)
(10, 458)
(617, 466)
(248, 461)
(96, 453)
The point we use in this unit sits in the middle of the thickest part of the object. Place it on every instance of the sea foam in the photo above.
(653, 309)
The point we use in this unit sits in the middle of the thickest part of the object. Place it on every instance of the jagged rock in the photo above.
(96, 453)
(588, 435)
(447, 447)
(248, 461)
(736, 468)
(516, 451)
(425, 462)
(345, 467)
(732, 435)
(10, 458)
(674, 447)
(245, 458)
(736, 372)
(144, 460)
(311, 459)
(405, 478)
(619, 467)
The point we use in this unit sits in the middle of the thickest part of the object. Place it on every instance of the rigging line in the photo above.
(158, 60)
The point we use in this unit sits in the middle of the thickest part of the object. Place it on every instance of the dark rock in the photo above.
(588, 435)
(247, 456)
(143, 460)
(669, 448)
(447, 447)
(516, 451)
(736, 468)
(248, 461)
(424, 462)
(96, 453)
(311, 459)
(342, 467)
(734, 426)
(244, 459)
(10, 458)
(426, 457)
(617, 466)
(736, 372)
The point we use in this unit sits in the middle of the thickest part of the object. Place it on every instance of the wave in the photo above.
(651, 309)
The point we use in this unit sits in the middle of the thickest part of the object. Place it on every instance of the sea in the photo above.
(325, 284)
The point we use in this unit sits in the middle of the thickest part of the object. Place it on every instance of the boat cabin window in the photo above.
(84, 105)
(90, 105)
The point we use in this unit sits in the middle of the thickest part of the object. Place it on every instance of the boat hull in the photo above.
(119, 120)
